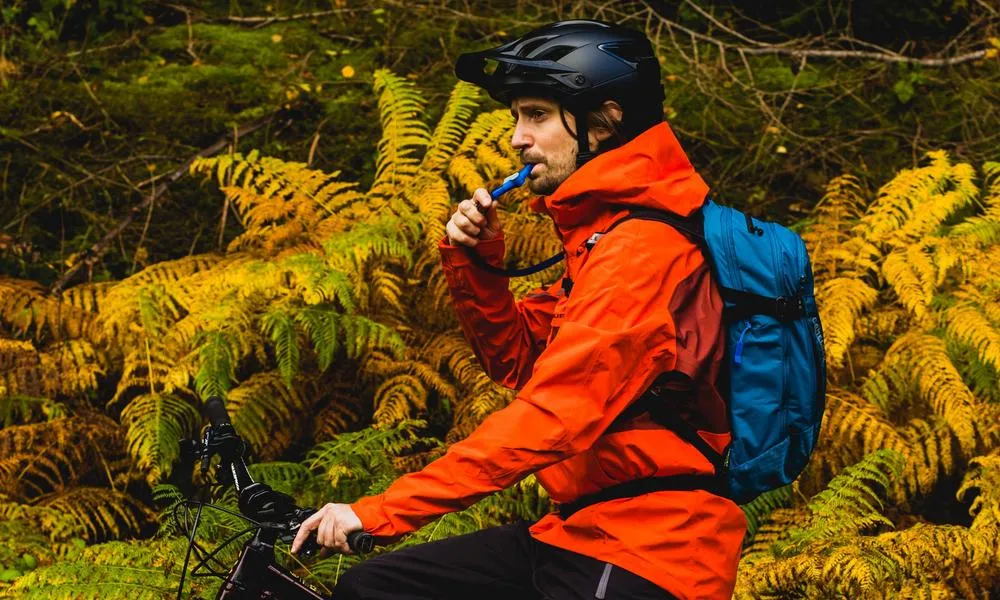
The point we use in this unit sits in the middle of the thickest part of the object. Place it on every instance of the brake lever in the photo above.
(310, 546)
(359, 541)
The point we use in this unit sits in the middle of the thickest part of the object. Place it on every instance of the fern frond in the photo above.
(968, 325)
(115, 570)
(217, 372)
(356, 462)
(88, 297)
(403, 134)
(316, 282)
(16, 409)
(917, 201)
(363, 335)
(39, 458)
(401, 397)
(956, 556)
(836, 212)
(279, 326)
(267, 413)
(851, 503)
(433, 202)
(485, 129)
(984, 229)
(155, 425)
(841, 302)
(93, 513)
(939, 383)
(29, 310)
(71, 368)
(911, 274)
(983, 478)
(757, 509)
(451, 128)
(20, 368)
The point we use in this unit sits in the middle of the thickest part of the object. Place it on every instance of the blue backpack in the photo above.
(774, 350)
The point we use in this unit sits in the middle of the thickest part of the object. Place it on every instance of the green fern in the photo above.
(850, 504)
(760, 507)
(116, 570)
(280, 327)
(217, 371)
(321, 326)
(155, 425)
(360, 463)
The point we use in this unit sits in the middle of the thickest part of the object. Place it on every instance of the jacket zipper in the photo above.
(602, 585)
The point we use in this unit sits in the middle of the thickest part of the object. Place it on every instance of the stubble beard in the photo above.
(547, 183)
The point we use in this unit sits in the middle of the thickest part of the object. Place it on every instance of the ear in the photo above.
(613, 111)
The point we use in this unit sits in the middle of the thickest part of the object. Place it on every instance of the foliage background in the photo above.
(244, 197)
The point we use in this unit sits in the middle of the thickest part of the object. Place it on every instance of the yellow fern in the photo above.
(841, 302)
(939, 383)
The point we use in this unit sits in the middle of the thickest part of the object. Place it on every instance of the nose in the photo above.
(520, 139)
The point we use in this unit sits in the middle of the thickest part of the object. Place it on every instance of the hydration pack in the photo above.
(774, 355)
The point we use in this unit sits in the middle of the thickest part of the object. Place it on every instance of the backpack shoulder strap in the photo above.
(692, 227)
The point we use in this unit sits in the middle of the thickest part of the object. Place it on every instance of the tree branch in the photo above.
(764, 48)
(95, 252)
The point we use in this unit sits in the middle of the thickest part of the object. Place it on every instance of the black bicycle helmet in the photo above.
(580, 64)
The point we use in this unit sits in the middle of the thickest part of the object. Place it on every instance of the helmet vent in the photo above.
(556, 52)
(530, 46)
(627, 51)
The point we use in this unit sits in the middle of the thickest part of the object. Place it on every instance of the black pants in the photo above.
(501, 563)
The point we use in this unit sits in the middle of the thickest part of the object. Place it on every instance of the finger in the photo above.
(456, 236)
(483, 199)
(326, 530)
(493, 218)
(341, 541)
(305, 529)
(467, 226)
(471, 210)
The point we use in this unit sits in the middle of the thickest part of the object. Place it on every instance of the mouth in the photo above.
(534, 170)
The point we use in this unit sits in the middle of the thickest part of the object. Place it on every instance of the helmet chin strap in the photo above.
(583, 154)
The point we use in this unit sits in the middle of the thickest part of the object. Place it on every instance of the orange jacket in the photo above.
(643, 303)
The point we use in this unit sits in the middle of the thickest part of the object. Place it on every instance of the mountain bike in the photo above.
(272, 515)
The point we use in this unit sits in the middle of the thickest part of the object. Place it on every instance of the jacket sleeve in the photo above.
(506, 336)
(617, 336)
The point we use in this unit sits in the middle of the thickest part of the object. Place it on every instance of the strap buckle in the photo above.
(788, 309)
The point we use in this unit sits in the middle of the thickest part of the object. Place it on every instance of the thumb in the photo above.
(493, 218)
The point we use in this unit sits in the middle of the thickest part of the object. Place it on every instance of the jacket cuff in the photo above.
(492, 252)
(369, 511)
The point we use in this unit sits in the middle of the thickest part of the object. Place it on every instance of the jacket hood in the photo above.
(649, 171)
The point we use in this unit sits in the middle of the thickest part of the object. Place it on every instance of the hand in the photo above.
(468, 225)
(332, 523)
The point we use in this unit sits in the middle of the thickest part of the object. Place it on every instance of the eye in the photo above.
(537, 114)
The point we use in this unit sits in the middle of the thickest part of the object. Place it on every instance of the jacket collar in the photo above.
(649, 171)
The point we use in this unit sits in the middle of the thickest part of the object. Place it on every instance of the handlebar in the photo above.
(257, 500)
(274, 514)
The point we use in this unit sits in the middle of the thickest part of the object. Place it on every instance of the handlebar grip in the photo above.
(215, 410)
(360, 541)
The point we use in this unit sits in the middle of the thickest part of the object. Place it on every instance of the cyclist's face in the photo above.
(541, 138)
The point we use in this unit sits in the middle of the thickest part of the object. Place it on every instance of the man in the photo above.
(637, 307)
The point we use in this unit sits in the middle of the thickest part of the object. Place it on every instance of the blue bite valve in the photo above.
(511, 182)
